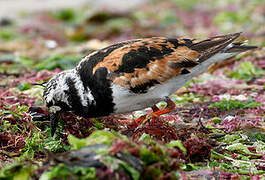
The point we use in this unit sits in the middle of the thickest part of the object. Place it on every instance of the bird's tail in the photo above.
(220, 44)
(238, 47)
(217, 49)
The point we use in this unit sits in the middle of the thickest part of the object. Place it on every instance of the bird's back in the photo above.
(140, 72)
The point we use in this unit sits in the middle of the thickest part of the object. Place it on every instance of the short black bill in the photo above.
(54, 122)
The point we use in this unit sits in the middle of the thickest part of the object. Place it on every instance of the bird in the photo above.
(134, 74)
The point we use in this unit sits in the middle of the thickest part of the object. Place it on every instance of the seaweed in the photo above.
(216, 130)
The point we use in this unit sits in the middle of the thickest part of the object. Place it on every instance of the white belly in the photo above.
(126, 101)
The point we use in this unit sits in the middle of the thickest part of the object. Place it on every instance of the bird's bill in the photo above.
(54, 112)
(54, 122)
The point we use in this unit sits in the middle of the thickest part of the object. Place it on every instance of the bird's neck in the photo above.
(91, 100)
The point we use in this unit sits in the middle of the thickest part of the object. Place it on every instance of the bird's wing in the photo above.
(141, 63)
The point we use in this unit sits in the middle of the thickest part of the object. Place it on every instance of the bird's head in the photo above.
(58, 95)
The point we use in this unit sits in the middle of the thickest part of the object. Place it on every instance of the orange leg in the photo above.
(170, 107)
(155, 108)
(157, 112)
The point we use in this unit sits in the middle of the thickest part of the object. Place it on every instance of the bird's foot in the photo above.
(156, 112)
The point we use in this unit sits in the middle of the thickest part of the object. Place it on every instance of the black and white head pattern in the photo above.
(66, 92)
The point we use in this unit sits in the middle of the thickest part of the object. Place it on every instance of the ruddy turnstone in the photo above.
(134, 74)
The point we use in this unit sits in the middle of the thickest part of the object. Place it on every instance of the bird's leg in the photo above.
(157, 112)
(170, 107)
(141, 119)
(155, 108)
